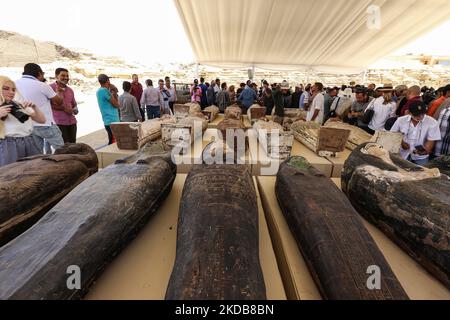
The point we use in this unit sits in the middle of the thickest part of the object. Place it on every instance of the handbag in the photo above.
(368, 114)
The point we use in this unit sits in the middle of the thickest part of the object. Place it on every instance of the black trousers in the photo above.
(110, 134)
(69, 133)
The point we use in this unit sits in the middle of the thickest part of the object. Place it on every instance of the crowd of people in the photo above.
(38, 118)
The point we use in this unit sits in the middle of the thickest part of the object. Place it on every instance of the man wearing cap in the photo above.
(42, 95)
(420, 133)
(108, 103)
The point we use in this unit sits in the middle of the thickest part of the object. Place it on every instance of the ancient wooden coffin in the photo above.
(84, 231)
(217, 255)
(235, 128)
(337, 248)
(273, 139)
(30, 187)
(183, 133)
(211, 112)
(357, 135)
(442, 163)
(322, 140)
(180, 111)
(133, 135)
(255, 113)
(410, 204)
(233, 112)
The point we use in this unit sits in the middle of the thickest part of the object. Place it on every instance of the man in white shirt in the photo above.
(420, 133)
(384, 108)
(33, 89)
(315, 112)
(151, 101)
(173, 93)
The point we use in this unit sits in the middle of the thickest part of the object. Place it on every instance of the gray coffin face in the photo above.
(409, 203)
(217, 244)
(30, 187)
(86, 229)
(331, 236)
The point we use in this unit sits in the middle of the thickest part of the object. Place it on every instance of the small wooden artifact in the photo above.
(133, 135)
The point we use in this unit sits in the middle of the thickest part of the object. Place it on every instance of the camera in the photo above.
(16, 111)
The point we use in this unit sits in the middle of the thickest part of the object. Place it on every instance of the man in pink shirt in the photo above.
(64, 115)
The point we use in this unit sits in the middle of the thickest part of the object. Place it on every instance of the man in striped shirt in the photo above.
(443, 146)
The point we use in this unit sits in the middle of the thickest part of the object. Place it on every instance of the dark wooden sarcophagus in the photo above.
(217, 243)
(339, 251)
(84, 231)
(410, 204)
(31, 186)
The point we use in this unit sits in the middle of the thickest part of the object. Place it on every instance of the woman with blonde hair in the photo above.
(16, 125)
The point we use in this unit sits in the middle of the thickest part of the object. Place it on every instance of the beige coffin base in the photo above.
(142, 271)
(418, 284)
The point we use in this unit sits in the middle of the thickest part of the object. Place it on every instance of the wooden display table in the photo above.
(142, 271)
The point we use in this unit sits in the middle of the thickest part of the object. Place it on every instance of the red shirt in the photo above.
(436, 104)
(136, 91)
(61, 117)
(408, 104)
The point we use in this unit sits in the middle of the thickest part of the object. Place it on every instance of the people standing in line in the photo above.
(165, 97)
(137, 90)
(16, 124)
(151, 101)
(42, 95)
(413, 94)
(383, 107)
(247, 97)
(172, 91)
(129, 107)
(211, 94)
(316, 110)
(420, 133)
(305, 97)
(196, 93)
(223, 98)
(64, 115)
(203, 100)
(108, 103)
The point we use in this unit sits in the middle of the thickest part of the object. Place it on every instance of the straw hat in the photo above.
(284, 85)
(386, 88)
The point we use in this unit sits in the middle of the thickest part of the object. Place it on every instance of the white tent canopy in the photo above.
(322, 35)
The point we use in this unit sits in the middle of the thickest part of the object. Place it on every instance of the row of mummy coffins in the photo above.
(218, 257)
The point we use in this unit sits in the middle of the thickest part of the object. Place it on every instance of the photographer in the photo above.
(16, 125)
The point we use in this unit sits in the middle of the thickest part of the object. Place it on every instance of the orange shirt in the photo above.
(432, 109)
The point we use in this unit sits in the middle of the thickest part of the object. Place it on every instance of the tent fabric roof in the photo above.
(321, 35)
